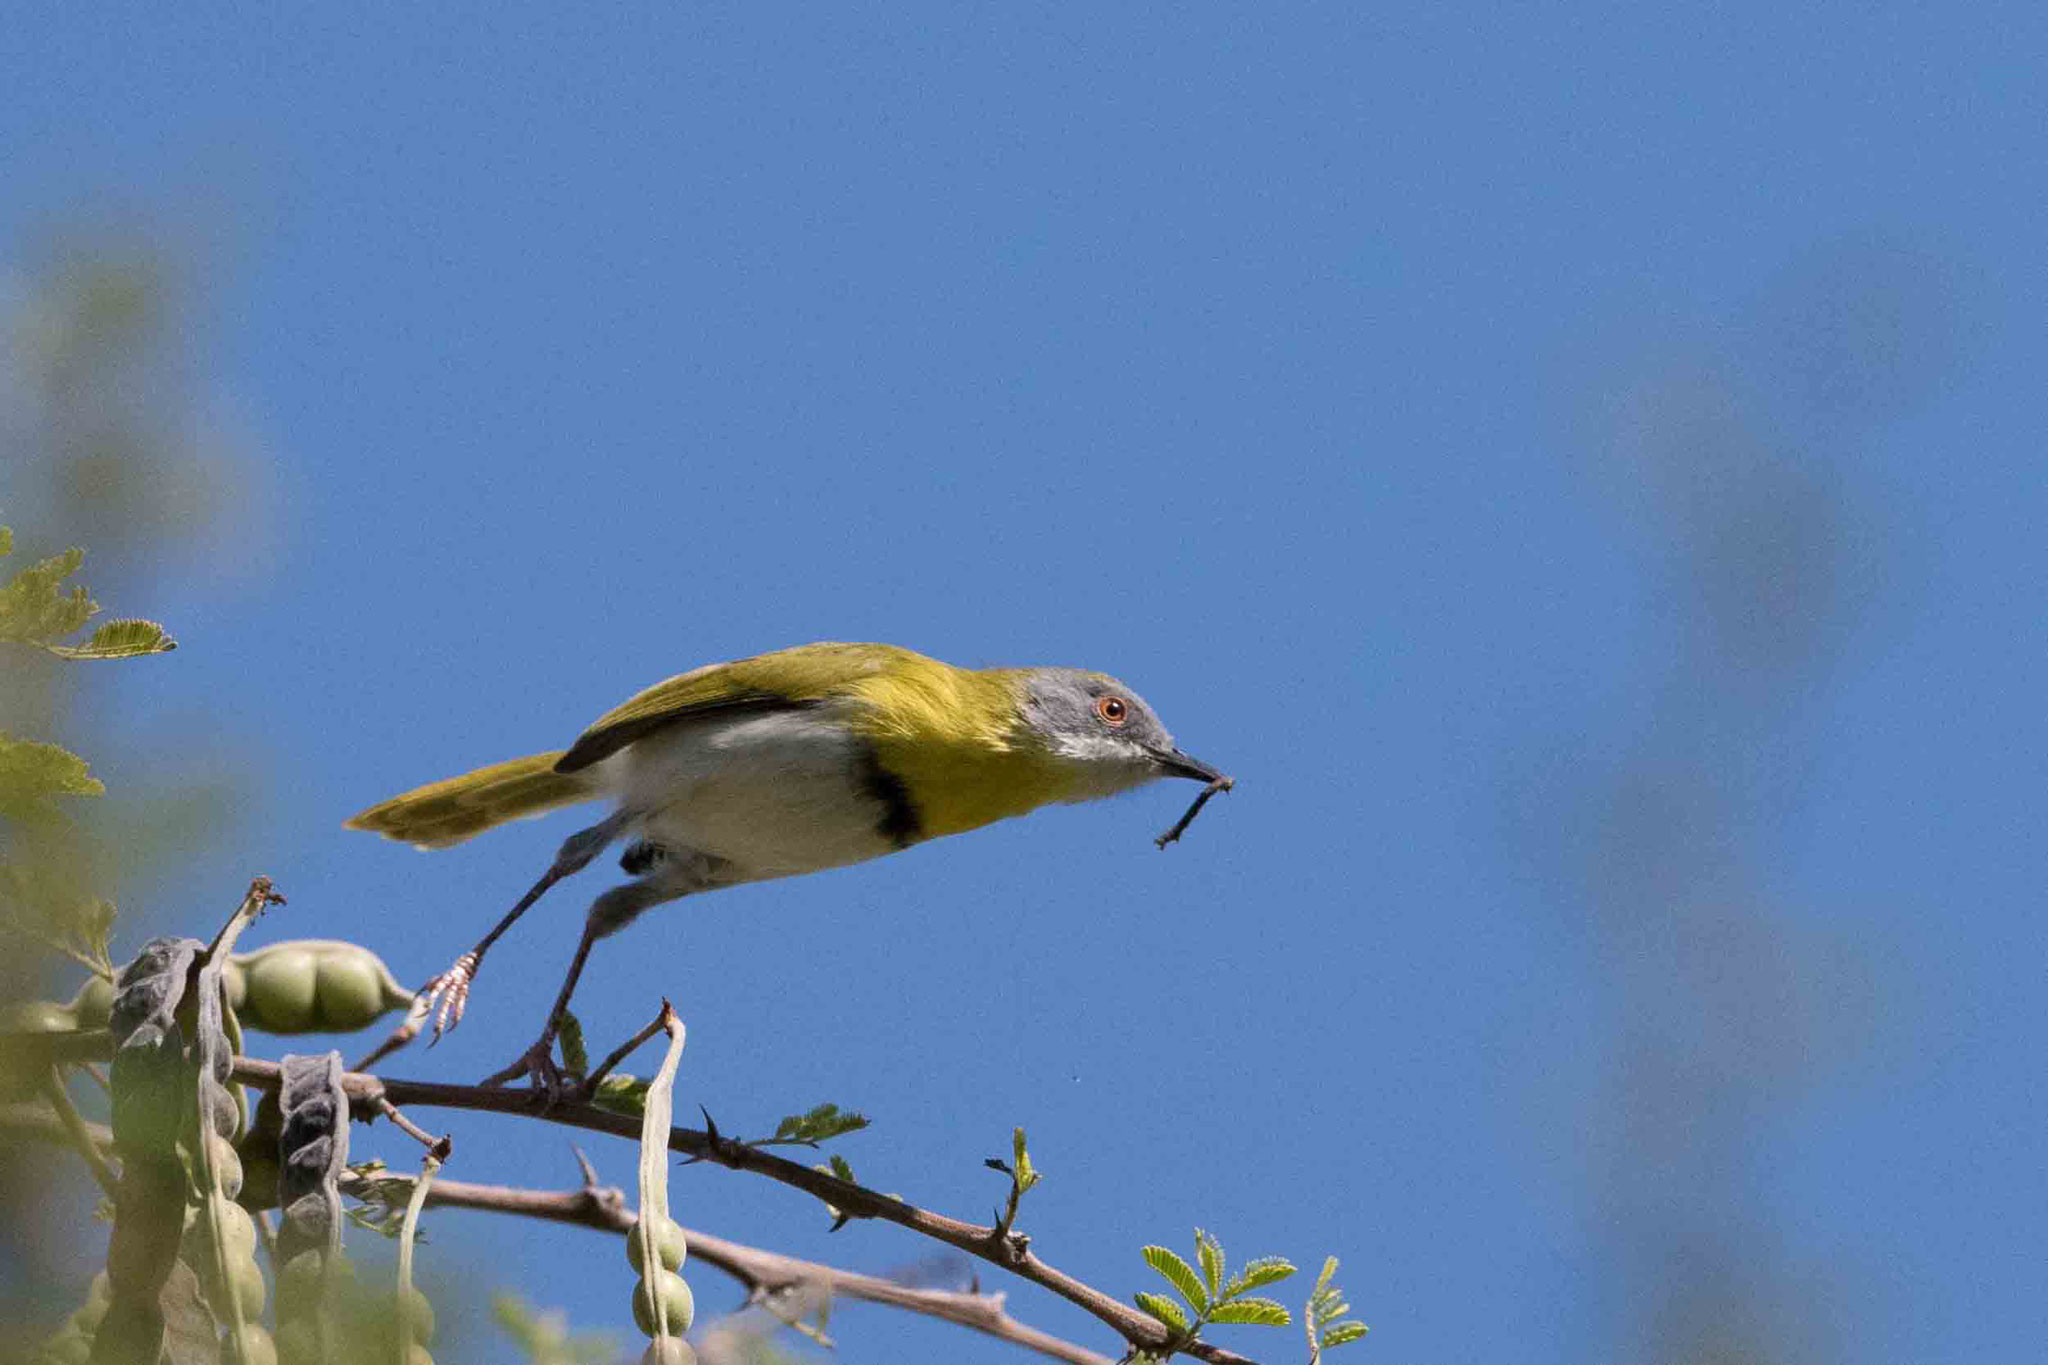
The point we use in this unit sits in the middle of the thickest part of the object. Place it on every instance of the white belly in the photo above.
(776, 795)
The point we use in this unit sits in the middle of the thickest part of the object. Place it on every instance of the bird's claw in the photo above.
(447, 995)
(551, 1084)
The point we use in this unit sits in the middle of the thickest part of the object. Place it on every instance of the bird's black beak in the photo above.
(1178, 764)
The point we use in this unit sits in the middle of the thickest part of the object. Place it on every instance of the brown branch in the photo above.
(1011, 1252)
(761, 1271)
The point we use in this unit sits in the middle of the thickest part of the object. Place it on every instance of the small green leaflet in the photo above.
(125, 639)
(35, 610)
(1257, 1273)
(1211, 1253)
(1165, 1309)
(619, 1093)
(1255, 1310)
(31, 774)
(575, 1057)
(825, 1122)
(1180, 1275)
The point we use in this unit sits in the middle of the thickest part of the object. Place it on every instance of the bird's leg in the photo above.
(673, 875)
(447, 994)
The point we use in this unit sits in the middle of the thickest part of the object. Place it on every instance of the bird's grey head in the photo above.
(1105, 730)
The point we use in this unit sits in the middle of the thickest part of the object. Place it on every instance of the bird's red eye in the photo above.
(1113, 710)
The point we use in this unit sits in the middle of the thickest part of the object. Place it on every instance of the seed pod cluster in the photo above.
(152, 1092)
(221, 1236)
(312, 1150)
(664, 1237)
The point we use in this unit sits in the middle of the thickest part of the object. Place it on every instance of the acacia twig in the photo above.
(761, 1271)
(1136, 1327)
(619, 1053)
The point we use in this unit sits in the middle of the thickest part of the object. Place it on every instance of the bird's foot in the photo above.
(551, 1084)
(447, 995)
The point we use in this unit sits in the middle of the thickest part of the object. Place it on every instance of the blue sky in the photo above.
(1579, 466)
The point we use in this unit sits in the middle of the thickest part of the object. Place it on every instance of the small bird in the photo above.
(786, 763)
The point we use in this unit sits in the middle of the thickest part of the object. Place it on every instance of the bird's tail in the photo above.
(447, 812)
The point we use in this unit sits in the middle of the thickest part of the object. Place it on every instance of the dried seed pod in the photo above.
(152, 1089)
(312, 1150)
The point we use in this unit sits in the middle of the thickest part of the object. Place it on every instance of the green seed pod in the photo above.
(420, 1316)
(668, 1351)
(349, 994)
(248, 1282)
(237, 1232)
(682, 1304)
(94, 1002)
(257, 1347)
(668, 1238)
(68, 1347)
(234, 981)
(312, 985)
(97, 1296)
(259, 1174)
(298, 1281)
(298, 1339)
(38, 1016)
(281, 984)
(228, 1162)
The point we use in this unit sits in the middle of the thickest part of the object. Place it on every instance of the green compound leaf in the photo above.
(1257, 1273)
(1338, 1334)
(1180, 1275)
(575, 1056)
(125, 639)
(1257, 1311)
(34, 609)
(1165, 1309)
(31, 774)
(622, 1094)
(824, 1122)
(1211, 1253)
(1324, 1304)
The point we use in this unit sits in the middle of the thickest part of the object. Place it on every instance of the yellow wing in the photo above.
(785, 680)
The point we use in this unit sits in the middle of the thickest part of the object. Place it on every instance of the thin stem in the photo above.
(81, 1136)
(619, 1053)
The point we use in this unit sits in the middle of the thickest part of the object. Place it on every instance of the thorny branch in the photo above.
(987, 1243)
(765, 1274)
